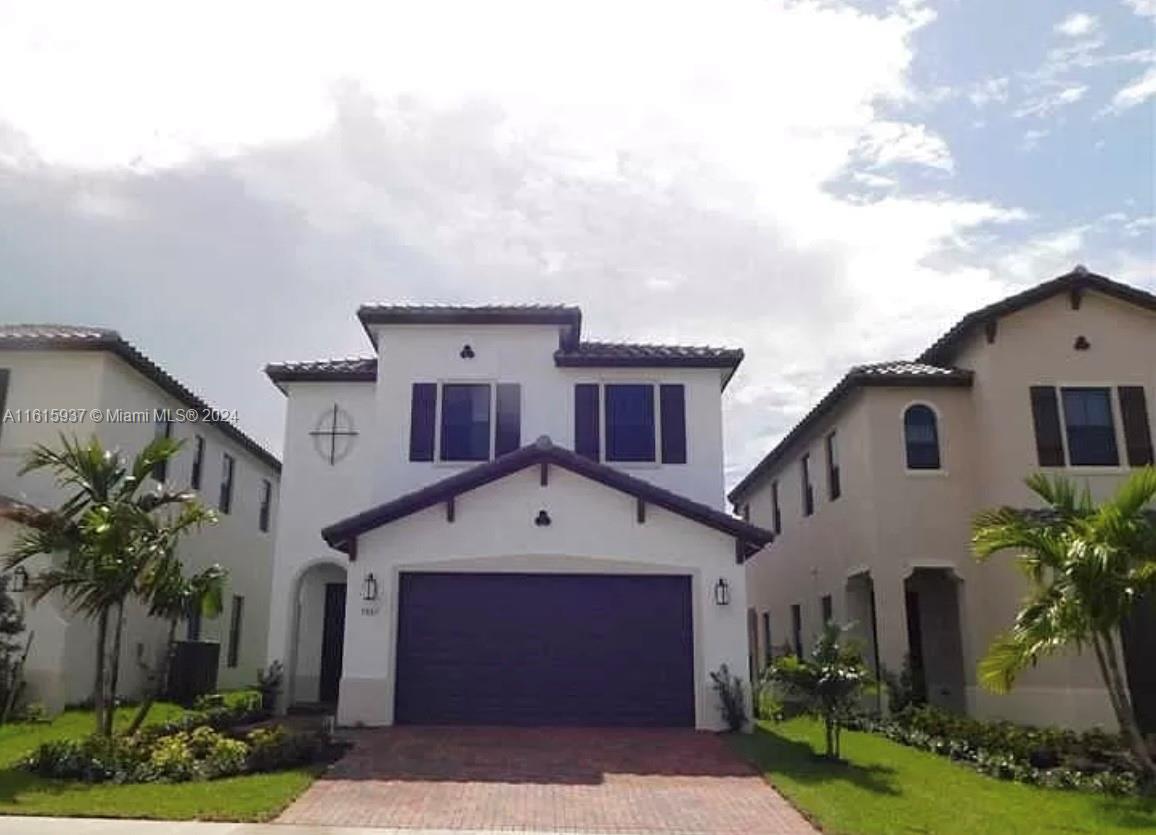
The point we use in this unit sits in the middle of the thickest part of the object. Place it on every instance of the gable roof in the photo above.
(543, 451)
(568, 316)
(883, 374)
(1078, 281)
(350, 369)
(639, 355)
(933, 367)
(54, 337)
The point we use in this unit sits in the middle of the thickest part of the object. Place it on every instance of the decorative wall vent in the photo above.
(467, 353)
(1082, 343)
(543, 519)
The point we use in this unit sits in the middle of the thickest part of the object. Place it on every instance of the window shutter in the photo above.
(586, 440)
(1137, 434)
(1046, 418)
(508, 434)
(421, 421)
(672, 406)
(3, 395)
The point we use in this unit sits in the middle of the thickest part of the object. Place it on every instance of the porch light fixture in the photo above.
(369, 587)
(19, 580)
(722, 592)
(543, 519)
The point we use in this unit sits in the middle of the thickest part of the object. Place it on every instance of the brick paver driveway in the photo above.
(546, 779)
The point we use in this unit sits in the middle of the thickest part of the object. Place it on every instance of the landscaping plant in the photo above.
(732, 702)
(269, 683)
(1087, 565)
(831, 681)
(103, 539)
(12, 649)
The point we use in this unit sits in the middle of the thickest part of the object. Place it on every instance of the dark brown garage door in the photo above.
(545, 649)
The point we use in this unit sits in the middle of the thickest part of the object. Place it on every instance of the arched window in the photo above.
(921, 437)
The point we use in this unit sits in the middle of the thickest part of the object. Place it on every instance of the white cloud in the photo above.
(1051, 101)
(988, 91)
(1077, 24)
(887, 143)
(1136, 92)
(1145, 8)
(648, 161)
(1031, 139)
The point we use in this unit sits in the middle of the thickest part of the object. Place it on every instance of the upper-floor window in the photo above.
(465, 432)
(198, 462)
(630, 430)
(921, 437)
(163, 429)
(640, 422)
(1090, 428)
(1076, 425)
(266, 505)
(4, 374)
(225, 499)
(834, 487)
(776, 512)
(477, 421)
(808, 491)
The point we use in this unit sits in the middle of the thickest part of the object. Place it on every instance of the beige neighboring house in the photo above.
(871, 495)
(81, 371)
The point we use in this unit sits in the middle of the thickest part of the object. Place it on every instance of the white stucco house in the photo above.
(86, 381)
(492, 521)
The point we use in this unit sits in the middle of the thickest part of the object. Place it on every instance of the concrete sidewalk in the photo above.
(15, 825)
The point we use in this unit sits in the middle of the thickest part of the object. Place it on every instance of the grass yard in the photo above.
(254, 797)
(890, 788)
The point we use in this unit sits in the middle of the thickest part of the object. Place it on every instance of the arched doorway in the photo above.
(318, 637)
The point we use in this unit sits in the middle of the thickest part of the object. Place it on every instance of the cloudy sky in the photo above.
(819, 183)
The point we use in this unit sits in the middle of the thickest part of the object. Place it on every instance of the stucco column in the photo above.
(891, 622)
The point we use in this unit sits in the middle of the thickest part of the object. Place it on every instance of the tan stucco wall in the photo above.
(890, 521)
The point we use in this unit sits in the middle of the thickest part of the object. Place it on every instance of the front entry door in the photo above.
(332, 641)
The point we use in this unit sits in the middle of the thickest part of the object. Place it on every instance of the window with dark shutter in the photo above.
(1090, 427)
(163, 429)
(672, 408)
(1046, 420)
(776, 512)
(1137, 433)
(198, 461)
(834, 486)
(465, 422)
(629, 422)
(225, 498)
(235, 620)
(826, 606)
(4, 372)
(808, 491)
(266, 505)
(768, 647)
(422, 415)
(508, 433)
(586, 434)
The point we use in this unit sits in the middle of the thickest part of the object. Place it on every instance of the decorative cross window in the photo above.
(333, 434)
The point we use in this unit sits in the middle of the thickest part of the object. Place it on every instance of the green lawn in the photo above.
(890, 788)
(253, 797)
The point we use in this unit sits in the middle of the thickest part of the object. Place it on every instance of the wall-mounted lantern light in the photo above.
(19, 580)
(542, 519)
(722, 592)
(369, 587)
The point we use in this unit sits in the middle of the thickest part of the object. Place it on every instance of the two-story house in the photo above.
(84, 381)
(492, 521)
(872, 494)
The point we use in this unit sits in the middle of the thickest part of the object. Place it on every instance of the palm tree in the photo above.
(103, 537)
(172, 596)
(1087, 565)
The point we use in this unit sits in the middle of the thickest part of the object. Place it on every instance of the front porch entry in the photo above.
(314, 676)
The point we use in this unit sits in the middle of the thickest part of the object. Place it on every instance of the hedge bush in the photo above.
(1090, 761)
(175, 755)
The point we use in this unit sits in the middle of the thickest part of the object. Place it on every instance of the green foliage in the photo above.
(111, 540)
(906, 688)
(1087, 565)
(830, 681)
(11, 645)
(1089, 761)
(273, 748)
(887, 788)
(269, 682)
(732, 701)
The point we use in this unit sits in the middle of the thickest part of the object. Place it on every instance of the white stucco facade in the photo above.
(60, 667)
(595, 527)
